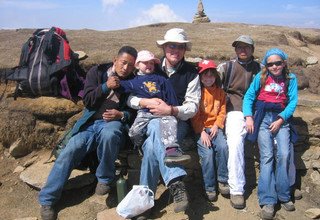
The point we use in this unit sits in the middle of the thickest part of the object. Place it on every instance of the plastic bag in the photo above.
(138, 200)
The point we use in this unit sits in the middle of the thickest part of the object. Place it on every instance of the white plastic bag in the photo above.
(137, 201)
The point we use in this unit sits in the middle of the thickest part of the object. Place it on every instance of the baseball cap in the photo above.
(145, 55)
(206, 64)
(175, 35)
(244, 39)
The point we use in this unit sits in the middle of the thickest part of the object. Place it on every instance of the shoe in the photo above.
(174, 156)
(237, 201)
(267, 211)
(143, 216)
(288, 206)
(180, 198)
(212, 196)
(297, 194)
(102, 189)
(48, 213)
(224, 189)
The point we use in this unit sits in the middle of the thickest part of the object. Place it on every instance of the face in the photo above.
(146, 66)
(244, 51)
(208, 78)
(275, 65)
(174, 53)
(124, 65)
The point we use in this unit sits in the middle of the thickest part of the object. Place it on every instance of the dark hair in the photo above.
(216, 75)
(129, 50)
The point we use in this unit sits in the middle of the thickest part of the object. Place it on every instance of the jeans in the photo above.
(214, 160)
(153, 165)
(105, 137)
(274, 183)
(236, 132)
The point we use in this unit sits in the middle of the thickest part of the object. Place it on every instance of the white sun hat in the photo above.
(175, 35)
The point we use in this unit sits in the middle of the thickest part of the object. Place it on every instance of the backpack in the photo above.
(48, 67)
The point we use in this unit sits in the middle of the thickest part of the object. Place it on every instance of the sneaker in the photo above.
(180, 198)
(237, 201)
(224, 189)
(102, 189)
(297, 194)
(267, 211)
(48, 213)
(212, 196)
(175, 156)
(288, 206)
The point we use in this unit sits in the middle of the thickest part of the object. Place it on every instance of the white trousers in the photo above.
(236, 133)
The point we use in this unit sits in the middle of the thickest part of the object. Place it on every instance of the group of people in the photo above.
(158, 102)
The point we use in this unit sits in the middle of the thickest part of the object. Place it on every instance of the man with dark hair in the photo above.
(102, 128)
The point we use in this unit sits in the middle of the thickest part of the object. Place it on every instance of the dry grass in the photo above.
(211, 40)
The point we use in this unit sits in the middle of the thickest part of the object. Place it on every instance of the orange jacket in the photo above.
(212, 110)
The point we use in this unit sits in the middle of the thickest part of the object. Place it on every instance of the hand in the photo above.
(113, 82)
(112, 114)
(147, 102)
(160, 109)
(275, 126)
(250, 124)
(213, 131)
(205, 139)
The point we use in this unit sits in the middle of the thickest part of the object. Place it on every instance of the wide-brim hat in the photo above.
(206, 64)
(175, 35)
(145, 55)
(244, 39)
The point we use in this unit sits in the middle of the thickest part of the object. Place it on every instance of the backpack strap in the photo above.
(229, 74)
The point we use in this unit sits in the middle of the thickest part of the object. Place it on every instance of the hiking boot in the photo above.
(48, 213)
(267, 211)
(174, 156)
(143, 216)
(180, 198)
(212, 196)
(288, 206)
(237, 201)
(297, 194)
(102, 189)
(224, 189)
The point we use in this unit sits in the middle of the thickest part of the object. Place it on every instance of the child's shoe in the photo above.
(174, 156)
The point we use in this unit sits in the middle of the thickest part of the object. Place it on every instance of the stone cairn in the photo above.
(200, 16)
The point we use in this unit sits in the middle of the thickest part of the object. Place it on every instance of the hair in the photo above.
(129, 50)
(263, 78)
(216, 75)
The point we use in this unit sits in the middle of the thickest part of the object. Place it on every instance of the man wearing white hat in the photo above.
(185, 80)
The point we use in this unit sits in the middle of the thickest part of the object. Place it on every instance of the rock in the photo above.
(36, 175)
(316, 164)
(108, 214)
(18, 169)
(18, 149)
(27, 218)
(312, 61)
(313, 213)
(30, 161)
(315, 177)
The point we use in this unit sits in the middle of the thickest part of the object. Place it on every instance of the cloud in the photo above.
(112, 3)
(156, 14)
(21, 4)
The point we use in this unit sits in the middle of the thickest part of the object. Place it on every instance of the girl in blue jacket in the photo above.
(273, 95)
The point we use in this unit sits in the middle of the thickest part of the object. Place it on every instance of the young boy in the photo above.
(208, 124)
(148, 84)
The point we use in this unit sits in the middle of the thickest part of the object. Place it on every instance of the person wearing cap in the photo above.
(184, 78)
(273, 95)
(100, 130)
(236, 76)
(208, 126)
(148, 84)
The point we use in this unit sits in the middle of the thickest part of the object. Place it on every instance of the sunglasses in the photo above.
(277, 63)
(176, 46)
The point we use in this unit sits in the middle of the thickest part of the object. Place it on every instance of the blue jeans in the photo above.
(105, 137)
(153, 156)
(274, 181)
(214, 161)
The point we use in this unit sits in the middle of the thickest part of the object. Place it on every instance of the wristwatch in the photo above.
(123, 118)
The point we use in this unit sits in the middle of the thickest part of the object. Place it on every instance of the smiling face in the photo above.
(174, 53)
(208, 78)
(146, 67)
(244, 51)
(124, 65)
(275, 65)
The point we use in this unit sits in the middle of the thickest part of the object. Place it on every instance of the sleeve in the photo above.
(134, 102)
(168, 93)
(250, 96)
(221, 68)
(127, 86)
(292, 95)
(221, 117)
(191, 102)
(94, 90)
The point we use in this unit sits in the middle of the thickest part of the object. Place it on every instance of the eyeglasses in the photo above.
(176, 46)
(247, 47)
(277, 63)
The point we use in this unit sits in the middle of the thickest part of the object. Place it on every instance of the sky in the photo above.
(121, 14)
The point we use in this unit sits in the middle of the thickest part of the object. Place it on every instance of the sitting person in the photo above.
(148, 84)
(208, 126)
(101, 128)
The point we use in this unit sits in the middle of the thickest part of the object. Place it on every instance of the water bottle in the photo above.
(121, 188)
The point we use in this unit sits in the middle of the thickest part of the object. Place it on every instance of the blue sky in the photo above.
(121, 14)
